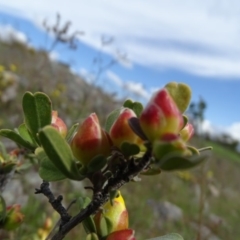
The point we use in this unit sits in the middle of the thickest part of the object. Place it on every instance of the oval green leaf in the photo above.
(47, 170)
(181, 94)
(89, 225)
(92, 236)
(111, 119)
(171, 162)
(59, 152)
(129, 149)
(37, 109)
(128, 103)
(12, 135)
(97, 163)
(26, 135)
(137, 108)
(71, 132)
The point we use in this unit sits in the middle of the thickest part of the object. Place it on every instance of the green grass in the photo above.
(221, 170)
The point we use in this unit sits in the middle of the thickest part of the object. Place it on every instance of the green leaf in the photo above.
(88, 222)
(181, 94)
(3, 209)
(71, 132)
(97, 163)
(10, 134)
(103, 227)
(185, 120)
(128, 103)
(47, 170)
(137, 108)
(92, 236)
(59, 152)
(3, 150)
(111, 119)
(83, 202)
(171, 236)
(177, 162)
(37, 110)
(26, 135)
(129, 149)
(89, 225)
(162, 149)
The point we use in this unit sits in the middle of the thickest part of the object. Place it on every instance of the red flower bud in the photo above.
(90, 140)
(14, 217)
(59, 124)
(161, 116)
(126, 234)
(121, 131)
(187, 132)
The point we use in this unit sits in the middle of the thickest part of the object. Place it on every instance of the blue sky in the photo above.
(195, 42)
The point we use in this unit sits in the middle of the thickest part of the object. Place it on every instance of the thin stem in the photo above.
(55, 202)
(59, 221)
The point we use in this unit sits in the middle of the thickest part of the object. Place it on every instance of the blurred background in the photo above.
(91, 56)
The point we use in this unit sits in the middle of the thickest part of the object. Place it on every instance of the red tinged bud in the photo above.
(90, 140)
(59, 124)
(14, 217)
(187, 132)
(121, 132)
(126, 234)
(116, 214)
(161, 117)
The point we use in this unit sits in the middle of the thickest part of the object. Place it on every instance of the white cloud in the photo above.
(234, 130)
(215, 131)
(54, 56)
(114, 78)
(8, 34)
(135, 88)
(199, 37)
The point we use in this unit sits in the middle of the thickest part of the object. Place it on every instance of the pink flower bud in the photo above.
(161, 116)
(14, 217)
(116, 213)
(126, 234)
(59, 124)
(187, 132)
(90, 140)
(121, 131)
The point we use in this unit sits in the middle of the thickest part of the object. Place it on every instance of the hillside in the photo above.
(33, 70)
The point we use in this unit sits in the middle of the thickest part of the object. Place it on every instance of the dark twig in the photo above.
(55, 202)
(59, 221)
(99, 198)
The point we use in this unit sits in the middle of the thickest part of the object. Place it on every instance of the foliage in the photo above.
(136, 141)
